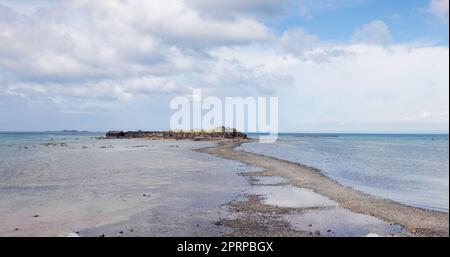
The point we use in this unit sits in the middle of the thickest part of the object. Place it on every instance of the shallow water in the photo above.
(340, 222)
(411, 169)
(321, 216)
(56, 184)
(96, 187)
(292, 197)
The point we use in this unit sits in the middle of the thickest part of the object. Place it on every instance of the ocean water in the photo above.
(18, 139)
(411, 169)
(58, 183)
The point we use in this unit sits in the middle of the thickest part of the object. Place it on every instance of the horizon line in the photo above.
(283, 132)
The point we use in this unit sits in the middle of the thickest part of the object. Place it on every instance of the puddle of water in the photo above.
(334, 221)
(341, 222)
(293, 197)
(263, 180)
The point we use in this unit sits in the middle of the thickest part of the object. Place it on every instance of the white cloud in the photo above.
(122, 90)
(373, 88)
(375, 32)
(220, 8)
(78, 55)
(313, 6)
(439, 8)
(297, 40)
(174, 21)
(229, 76)
(97, 43)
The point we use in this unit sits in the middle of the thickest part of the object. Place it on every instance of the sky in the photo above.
(335, 65)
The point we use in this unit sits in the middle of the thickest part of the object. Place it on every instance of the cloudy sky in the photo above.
(336, 65)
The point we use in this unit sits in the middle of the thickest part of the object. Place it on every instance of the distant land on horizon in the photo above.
(256, 133)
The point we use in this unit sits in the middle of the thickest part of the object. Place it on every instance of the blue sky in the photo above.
(335, 65)
(408, 20)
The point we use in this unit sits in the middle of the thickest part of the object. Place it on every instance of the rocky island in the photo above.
(218, 133)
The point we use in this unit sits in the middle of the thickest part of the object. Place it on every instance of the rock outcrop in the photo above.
(222, 133)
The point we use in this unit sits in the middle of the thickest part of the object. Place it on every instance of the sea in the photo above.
(57, 183)
(412, 169)
(407, 168)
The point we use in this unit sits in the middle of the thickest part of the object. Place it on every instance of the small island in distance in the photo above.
(66, 131)
(73, 131)
(220, 132)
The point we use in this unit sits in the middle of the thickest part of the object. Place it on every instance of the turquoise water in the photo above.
(411, 169)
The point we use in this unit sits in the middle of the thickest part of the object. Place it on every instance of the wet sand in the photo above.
(254, 213)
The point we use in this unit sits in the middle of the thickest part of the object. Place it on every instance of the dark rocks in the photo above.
(48, 144)
(35, 216)
(115, 134)
(223, 133)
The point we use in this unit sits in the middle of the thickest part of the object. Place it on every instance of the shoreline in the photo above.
(415, 221)
(266, 196)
